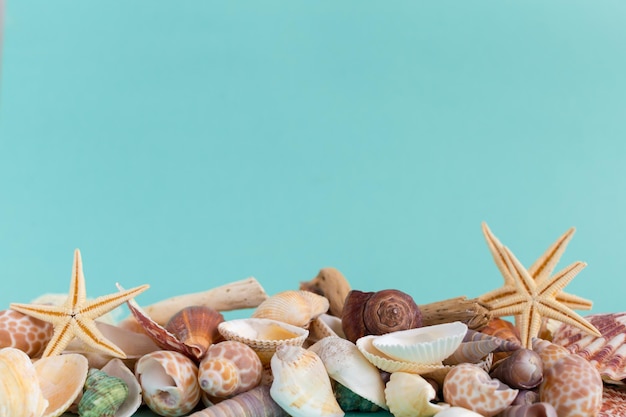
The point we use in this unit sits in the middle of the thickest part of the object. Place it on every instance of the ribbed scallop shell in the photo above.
(301, 384)
(61, 379)
(613, 402)
(20, 393)
(263, 335)
(23, 332)
(229, 368)
(296, 307)
(196, 327)
(410, 395)
(388, 364)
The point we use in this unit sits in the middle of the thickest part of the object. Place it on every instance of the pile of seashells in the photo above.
(322, 350)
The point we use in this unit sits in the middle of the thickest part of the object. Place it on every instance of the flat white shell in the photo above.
(387, 364)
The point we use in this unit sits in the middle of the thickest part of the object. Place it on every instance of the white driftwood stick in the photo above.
(247, 293)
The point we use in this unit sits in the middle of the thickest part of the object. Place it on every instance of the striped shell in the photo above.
(296, 307)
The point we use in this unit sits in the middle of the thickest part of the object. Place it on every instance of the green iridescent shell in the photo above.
(103, 395)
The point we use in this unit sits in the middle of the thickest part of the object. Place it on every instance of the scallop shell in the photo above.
(301, 385)
(347, 365)
(410, 395)
(229, 368)
(61, 379)
(103, 395)
(196, 327)
(115, 367)
(613, 402)
(23, 332)
(426, 345)
(169, 382)
(263, 335)
(583, 396)
(295, 307)
(20, 393)
(468, 386)
(608, 352)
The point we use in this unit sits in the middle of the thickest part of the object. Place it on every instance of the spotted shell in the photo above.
(23, 332)
(20, 393)
(296, 307)
(229, 368)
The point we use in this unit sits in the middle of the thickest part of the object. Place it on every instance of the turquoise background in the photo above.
(189, 144)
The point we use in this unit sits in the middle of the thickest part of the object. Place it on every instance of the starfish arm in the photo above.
(509, 306)
(106, 303)
(61, 337)
(87, 331)
(552, 286)
(47, 313)
(495, 295)
(543, 267)
(573, 301)
(77, 293)
(524, 281)
(529, 324)
(495, 247)
(553, 309)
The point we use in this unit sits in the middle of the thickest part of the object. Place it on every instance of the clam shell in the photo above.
(23, 332)
(196, 327)
(115, 367)
(409, 395)
(263, 335)
(388, 364)
(20, 393)
(427, 345)
(296, 307)
(347, 365)
(61, 379)
(468, 386)
(301, 385)
(103, 395)
(323, 326)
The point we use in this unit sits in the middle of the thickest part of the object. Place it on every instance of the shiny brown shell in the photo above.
(196, 327)
(523, 369)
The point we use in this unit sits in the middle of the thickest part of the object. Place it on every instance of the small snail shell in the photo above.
(377, 313)
(522, 369)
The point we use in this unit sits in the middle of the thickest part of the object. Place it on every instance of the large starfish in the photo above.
(75, 317)
(533, 297)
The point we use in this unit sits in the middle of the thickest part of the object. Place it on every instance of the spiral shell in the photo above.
(196, 327)
(103, 395)
(20, 393)
(256, 402)
(23, 332)
(229, 368)
(294, 307)
(522, 370)
(169, 382)
(377, 313)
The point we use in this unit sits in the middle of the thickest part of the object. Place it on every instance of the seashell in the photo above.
(526, 396)
(388, 364)
(502, 329)
(115, 367)
(427, 345)
(20, 393)
(294, 307)
(229, 368)
(529, 410)
(376, 313)
(256, 402)
(607, 353)
(23, 332)
(301, 385)
(522, 370)
(196, 327)
(504, 345)
(323, 326)
(169, 382)
(613, 402)
(468, 386)
(346, 364)
(348, 400)
(61, 379)
(331, 284)
(548, 352)
(573, 386)
(263, 335)
(472, 352)
(103, 395)
(457, 412)
(410, 395)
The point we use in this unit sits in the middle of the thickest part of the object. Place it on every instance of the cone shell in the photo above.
(263, 335)
(410, 395)
(229, 368)
(61, 379)
(470, 387)
(23, 332)
(20, 393)
(169, 382)
(573, 386)
(301, 385)
(196, 327)
(295, 307)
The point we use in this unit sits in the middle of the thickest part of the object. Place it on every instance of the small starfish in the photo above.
(532, 298)
(75, 317)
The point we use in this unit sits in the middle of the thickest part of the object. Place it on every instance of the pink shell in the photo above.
(23, 332)
(606, 353)
(613, 402)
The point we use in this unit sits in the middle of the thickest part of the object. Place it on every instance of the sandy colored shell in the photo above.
(23, 332)
(331, 284)
(409, 395)
(115, 367)
(549, 352)
(296, 307)
(323, 326)
(20, 393)
(61, 379)
(103, 395)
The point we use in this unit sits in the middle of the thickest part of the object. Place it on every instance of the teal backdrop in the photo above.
(194, 143)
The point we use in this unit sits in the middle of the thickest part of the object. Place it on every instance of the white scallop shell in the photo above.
(346, 365)
(61, 379)
(428, 344)
(410, 395)
(323, 326)
(20, 393)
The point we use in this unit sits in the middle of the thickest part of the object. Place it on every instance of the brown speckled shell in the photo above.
(377, 313)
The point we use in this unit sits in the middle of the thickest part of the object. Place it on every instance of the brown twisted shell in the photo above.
(377, 313)
(523, 369)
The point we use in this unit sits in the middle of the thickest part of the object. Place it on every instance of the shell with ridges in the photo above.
(472, 352)
(347, 365)
(301, 385)
(229, 368)
(323, 326)
(169, 382)
(103, 395)
(61, 379)
(410, 395)
(296, 307)
(23, 332)
(256, 402)
(20, 393)
(196, 327)
(115, 367)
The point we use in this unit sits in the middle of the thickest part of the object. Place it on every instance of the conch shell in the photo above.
(297, 308)
(20, 393)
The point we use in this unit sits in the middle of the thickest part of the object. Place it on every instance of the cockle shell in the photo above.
(573, 386)
(301, 385)
(229, 368)
(263, 335)
(346, 364)
(23, 332)
(103, 395)
(115, 367)
(377, 313)
(468, 386)
(169, 382)
(61, 379)
(410, 395)
(296, 307)
(523, 369)
(20, 393)
(196, 327)
(256, 402)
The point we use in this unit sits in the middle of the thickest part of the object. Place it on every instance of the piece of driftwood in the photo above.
(469, 311)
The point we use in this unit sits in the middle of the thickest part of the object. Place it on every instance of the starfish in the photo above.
(533, 297)
(75, 318)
